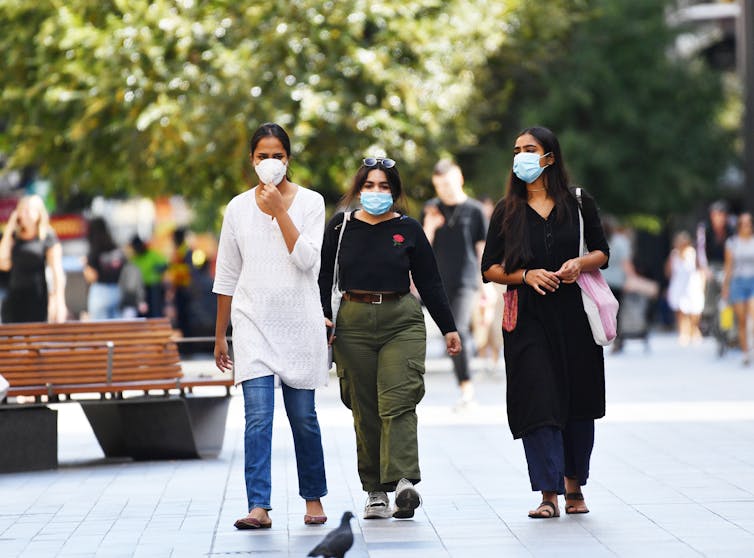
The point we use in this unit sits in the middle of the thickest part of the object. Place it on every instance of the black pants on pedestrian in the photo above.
(462, 305)
(552, 454)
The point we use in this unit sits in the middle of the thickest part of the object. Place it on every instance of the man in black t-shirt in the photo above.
(456, 227)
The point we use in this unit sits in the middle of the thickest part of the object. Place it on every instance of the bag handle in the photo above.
(577, 191)
(336, 269)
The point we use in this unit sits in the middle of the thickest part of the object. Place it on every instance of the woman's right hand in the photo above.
(542, 280)
(222, 358)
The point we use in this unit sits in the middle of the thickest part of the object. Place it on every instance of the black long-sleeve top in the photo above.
(379, 258)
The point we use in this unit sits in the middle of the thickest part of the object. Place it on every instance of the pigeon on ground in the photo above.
(337, 542)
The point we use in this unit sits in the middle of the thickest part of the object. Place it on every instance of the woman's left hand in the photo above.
(270, 200)
(453, 343)
(569, 271)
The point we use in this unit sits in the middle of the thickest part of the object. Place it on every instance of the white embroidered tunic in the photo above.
(278, 323)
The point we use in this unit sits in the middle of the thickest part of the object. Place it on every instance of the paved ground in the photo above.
(672, 475)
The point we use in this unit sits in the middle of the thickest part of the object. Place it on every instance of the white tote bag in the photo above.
(600, 304)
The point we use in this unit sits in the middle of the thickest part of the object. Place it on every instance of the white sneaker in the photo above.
(377, 506)
(407, 499)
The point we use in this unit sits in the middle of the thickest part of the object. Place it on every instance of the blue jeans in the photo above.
(741, 289)
(103, 301)
(259, 404)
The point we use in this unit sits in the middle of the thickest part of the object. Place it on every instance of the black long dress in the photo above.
(555, 371)
(26, 300)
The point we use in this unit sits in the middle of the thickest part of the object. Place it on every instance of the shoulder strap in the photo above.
(346, 218)
(577, 192)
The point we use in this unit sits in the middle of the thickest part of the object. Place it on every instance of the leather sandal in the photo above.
(571, 509)
(545, 510)
(314, 519)
(252, 523)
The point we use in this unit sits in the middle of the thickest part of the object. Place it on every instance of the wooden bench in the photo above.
(121, 363)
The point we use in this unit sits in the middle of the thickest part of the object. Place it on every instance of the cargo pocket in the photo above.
(345, 385)
(416, 371)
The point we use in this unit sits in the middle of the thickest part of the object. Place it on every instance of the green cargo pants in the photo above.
(379, 351)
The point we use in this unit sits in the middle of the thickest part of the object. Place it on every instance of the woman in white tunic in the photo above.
(266, 284)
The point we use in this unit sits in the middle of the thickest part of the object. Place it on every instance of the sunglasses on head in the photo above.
(383, 161)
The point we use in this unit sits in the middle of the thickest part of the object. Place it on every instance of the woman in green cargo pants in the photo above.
(380, 342)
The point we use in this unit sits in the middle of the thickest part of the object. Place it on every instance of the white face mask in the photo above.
(271, 171)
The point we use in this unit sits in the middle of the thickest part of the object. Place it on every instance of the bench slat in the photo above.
(162, 324)
(42, 359)
(65, 389)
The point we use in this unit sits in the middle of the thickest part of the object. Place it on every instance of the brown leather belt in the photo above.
(372, 298)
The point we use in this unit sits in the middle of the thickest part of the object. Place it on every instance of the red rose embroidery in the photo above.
(398, 240)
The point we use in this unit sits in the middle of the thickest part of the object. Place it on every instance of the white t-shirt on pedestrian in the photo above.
(742, 250)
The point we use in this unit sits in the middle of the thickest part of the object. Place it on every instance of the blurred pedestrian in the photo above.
(380, 340)
(152, 265)
(486, 319)
(104, 264)
(738, 284)
(203, 306)
(133, 295)
(685, 288)
(266, 283)
(29, 246)
(456, 227)
(711, 236)
(178, 279)
(488, 311)
(554, 369)
(621, 266)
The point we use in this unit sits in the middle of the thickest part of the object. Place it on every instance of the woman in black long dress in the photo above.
(555, 370)
(27, 248)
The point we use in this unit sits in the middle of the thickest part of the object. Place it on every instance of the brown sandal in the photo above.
(249, 522)
(314, 519)
(545, 510)
(571, 509)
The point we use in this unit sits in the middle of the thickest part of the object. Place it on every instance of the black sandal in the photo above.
(545, 510)
(571, 508)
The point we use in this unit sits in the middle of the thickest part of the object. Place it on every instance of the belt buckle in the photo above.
(378, 301)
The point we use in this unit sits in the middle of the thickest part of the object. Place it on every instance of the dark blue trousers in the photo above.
(552, 454)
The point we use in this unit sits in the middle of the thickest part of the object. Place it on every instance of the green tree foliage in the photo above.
(638, 126)
(161, 96)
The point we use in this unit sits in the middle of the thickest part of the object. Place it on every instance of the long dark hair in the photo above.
(393, 179)
(517, 245)
(274, 130)
(99, 237)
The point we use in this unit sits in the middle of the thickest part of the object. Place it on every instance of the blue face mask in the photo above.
(376, 203)
(526, 166)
